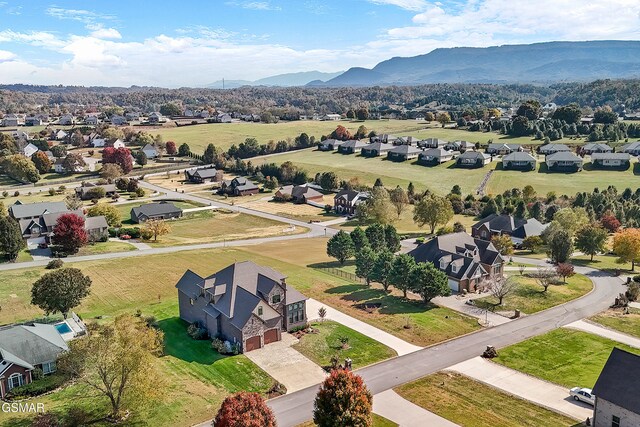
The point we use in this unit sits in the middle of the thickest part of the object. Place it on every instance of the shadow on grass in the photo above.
(346, 289)
(332, 264)
(181, 346)
(596, 264)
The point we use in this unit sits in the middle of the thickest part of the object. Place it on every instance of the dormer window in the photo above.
(260, 311)
(276, 299)
(443, 264)
(454, 268)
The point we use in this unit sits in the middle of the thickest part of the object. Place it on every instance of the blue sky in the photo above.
(193, 43)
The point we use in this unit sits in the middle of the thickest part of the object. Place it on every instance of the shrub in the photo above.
(112, 232)
(218, 345)
(16, 193)
(77, 417)
(38, 387)
(45, 420)
(5, 194)
(52, 192)
(140, 192)
(134, 232)
(146, 234)
(636, 278)
(444, 230)
(633, 292)
(55, 263)
(197, 332)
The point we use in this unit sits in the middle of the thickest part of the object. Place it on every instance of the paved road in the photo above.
(297, 407)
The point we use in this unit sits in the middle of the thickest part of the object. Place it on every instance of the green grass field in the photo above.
(472, 404)
(529, 297)
(602, 262)
(105, 247)
(564, 356)
(321, 346)
(616, 319)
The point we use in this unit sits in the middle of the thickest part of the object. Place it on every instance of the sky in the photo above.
(195, 43)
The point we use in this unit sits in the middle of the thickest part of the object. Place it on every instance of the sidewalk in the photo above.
(604, 332)
(543, 393)
(400, 346)
(394, 407)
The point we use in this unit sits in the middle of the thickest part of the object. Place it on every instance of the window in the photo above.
(275, 299)
(260, 311)
(615, 421)
(48, 368)
(191, 301)
(454, 268)
(15, 380)
(296, 313)
(443, 264)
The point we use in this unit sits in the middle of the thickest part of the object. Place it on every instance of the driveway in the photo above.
(394, 407)
(529, 388)
(459, 304)
(601, 331)
(286, 365)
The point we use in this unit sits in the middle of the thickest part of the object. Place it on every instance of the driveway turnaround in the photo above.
(459, 303)
(526, 387)
(394, 407)
(286, 365)
(400, 346)
(592, 328)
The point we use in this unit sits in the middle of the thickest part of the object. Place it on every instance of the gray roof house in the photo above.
(519, 160)
(160, 210)
(150, 151)
(198, 176)
(85, 190)
(611, 160)
(20, 211)
(24, 348)
(466, 261)
(402, 153)
(499, 224)
(40, 230)
(553, 148)
(596, 147)
(461, 146)
(617, 390)
(563, 161)
(329, 144)
(632, 148)
(299, 193)
(473, 159)
(432, 143)
(352, 146)
(239, 186)
(246, 304)
(436, 156)
(502, 149)
(376, 149)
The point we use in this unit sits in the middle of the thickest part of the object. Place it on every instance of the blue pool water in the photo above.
(63, 328)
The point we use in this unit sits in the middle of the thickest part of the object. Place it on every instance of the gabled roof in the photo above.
(632, 146)
(437, 152)
(7, 359)
(498, 146)
(152, 209)
(433, 141)
(474, 155)
(204, 173)
(95, 222)
(597, 146)
(405, 150)
(303, 190)
(378, 146)
(149, 147)
(354, 143)
(350, 195)
(519, 156)
(549, 148)
(501, 223)
(27, 210)
(625, 157)
(563, 156)
(532, 227)
(35, 343)
(618, 382)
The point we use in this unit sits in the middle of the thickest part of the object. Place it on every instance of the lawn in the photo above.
(378, 421)
(564, 356)
(321, 346)
(602, 262)
(529, 297)
(616, 319)
(33, 195)
(300, 212)
(105, 247)
(473, 404)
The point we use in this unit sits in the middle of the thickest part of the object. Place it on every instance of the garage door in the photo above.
(252, 343)
(270, 336)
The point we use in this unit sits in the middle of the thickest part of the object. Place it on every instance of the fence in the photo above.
(341, 274)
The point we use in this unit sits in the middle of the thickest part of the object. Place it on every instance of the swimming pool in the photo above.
(63, 328)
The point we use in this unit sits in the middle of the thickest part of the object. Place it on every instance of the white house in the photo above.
(330, 117)
(156, 117)
(30, 150)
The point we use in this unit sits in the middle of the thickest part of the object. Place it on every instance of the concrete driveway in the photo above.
(394, 407)
(287, 365)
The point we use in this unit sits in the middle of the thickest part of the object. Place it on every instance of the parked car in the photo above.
(583, 395)
(125, 237)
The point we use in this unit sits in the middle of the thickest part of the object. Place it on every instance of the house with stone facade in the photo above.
(247, 304)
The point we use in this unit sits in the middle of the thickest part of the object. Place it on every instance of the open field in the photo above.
(321, 346)
(616, 319)
(105, 247)
(300, 212)
(471, 403)
(564, 356)
(223, 135)
(378, 421)
(529, 297)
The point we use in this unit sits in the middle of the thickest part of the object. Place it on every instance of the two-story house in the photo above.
(346, 201)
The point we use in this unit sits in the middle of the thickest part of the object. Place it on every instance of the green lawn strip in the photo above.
(473, 404)
(319, 347)
(564, 356)
(603, 262)
(529, 297)
(105, 247)
(378, 421)
(616, 319)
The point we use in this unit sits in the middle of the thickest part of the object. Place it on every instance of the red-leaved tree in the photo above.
(343, 401)
(341, 133)
(244, 410)
(119, 156)
(564, 270)
(69, 233)
(171, 148)
(610, 223)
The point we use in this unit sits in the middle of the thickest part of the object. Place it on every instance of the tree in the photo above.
(11, 241)
(532, 243)
(545, 277)
(362, 113)
(244, 409)
(570, 113)
(564, 270)
(120, 156)
(156, 227)
(626, 245)
(117, 360)
(378, 207)
(77, 140)
(113, 133)
(20, 168)
(560, 246)
(171, 148)
(433, 211)
(501, 287)
(591, 240)
(184, 150)
(340, 246)
(392, 238)
(610, 222)
(528, 194)
(69, 232)
(376, 237)
(60, 291)
(571, 219)
(399, 199)
(73, 163)
(110, 212)
(382, 268)
(341, 133)
(365, 261)
(503, 244)
(429, 282)
(141, 158)
(400, 274)
(41, 162)
(343, 401)
(110, 171)
(605, 115)
(59, 151)
(329, 181)
(443, 118)
(359, 239)
(170, 109)
(209, 154)
(530, 109)
(361, 132)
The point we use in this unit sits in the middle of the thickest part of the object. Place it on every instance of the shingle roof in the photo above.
(474, 155)
(405, 149)
(36, 343)
(204, 173)
(550, 148)
(28, 210)
(379, 147)
(611, 156)
(519, 156)
(437, 152)
(532, 227)
(152, 209)
(564, 156)
(618, 382)
(95, 222)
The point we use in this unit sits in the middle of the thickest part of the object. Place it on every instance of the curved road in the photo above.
(295, 408)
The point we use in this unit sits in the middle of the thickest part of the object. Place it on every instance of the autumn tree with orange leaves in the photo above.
(343, 400)
(244, 410)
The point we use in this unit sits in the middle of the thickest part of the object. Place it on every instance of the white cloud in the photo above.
(254, 5)
(6, 56)
(412, 5)
(82, 15)
(106, 33)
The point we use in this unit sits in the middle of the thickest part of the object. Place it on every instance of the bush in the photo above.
(636, 278)
(134, 232)
(633, 292)
(38, 387)
(218, 345)
(140, 192)
(45, 420)
(444, 230)
(55, 263)
(197, 332)
(77, 417)
(146, 234)
(113, 232)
